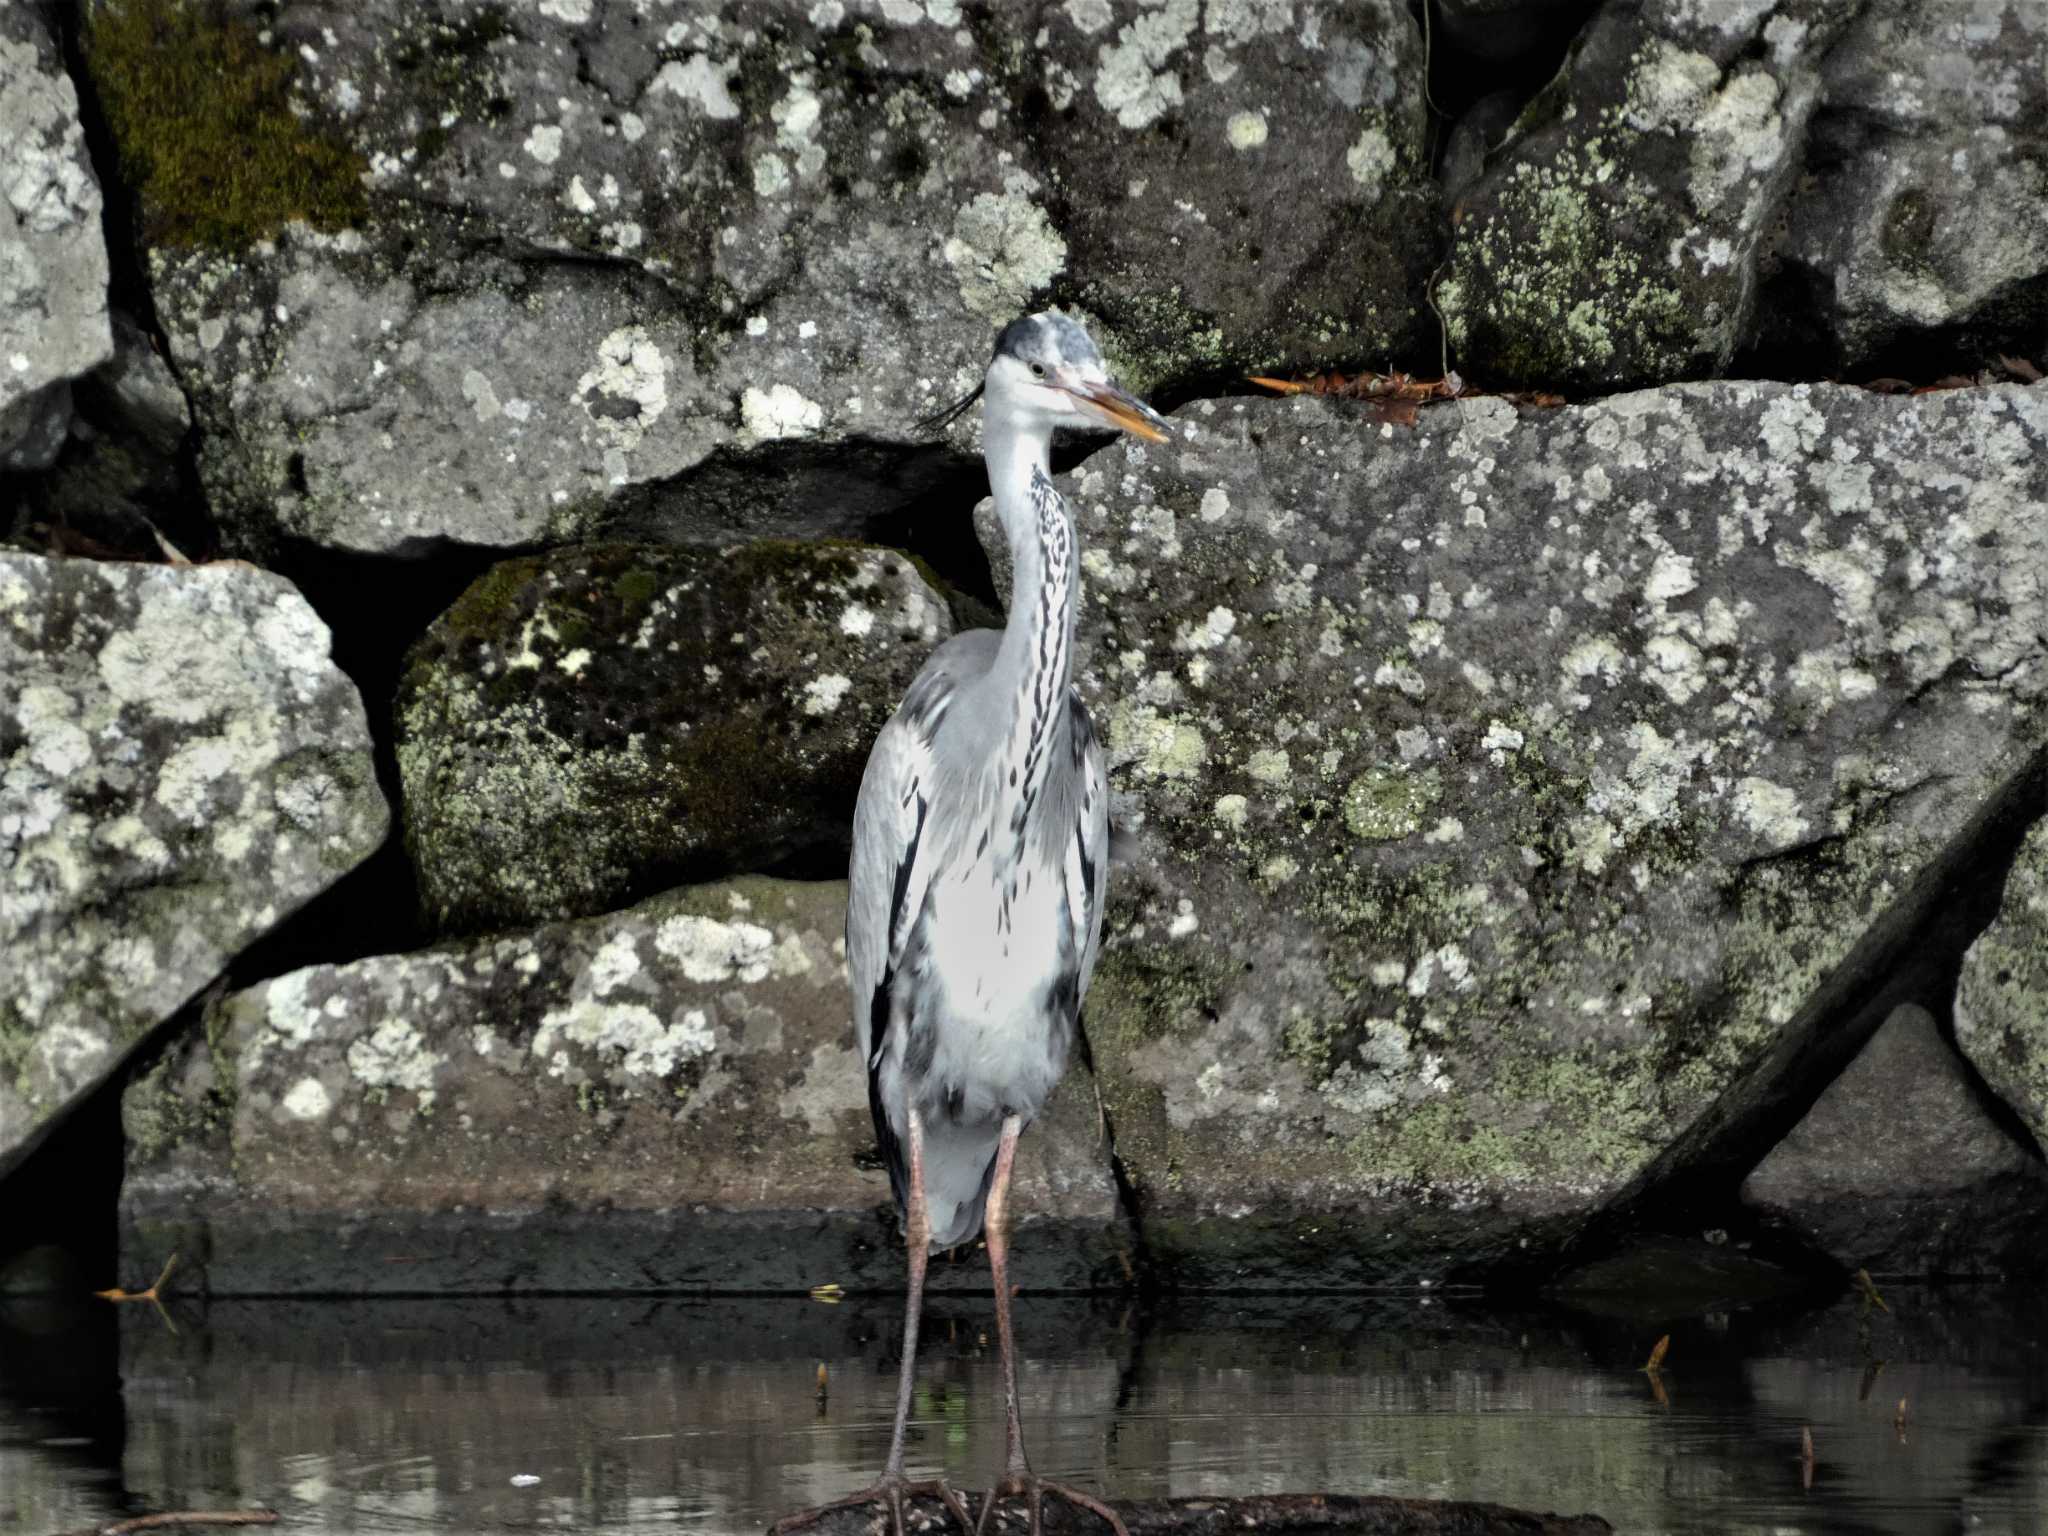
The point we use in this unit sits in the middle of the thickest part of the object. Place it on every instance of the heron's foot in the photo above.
(892, 1488)
(1030, 1486)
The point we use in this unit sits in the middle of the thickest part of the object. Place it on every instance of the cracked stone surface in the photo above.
(663, 1098)
(181, 768)
(1615, 240)
(53, 259)
(610, 243)
(586, 726)
(2002, 994)
(1925, 202)
(1898, 1170)
(1508, 785)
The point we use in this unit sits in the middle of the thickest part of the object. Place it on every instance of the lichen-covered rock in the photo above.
(1897, 1169)
(604, 248)
(1615, 239)
(587, 726)
(664, 1098)
(1924, 211)
(181, 767)
(53, 258)
(1507, 786)
(2002, 994)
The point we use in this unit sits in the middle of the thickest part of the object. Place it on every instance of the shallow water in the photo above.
(687, 1416)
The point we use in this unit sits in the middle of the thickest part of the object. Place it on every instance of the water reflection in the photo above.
(704, 1415)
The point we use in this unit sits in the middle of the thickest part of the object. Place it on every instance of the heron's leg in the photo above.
(1018, 1478)
(893, 1485)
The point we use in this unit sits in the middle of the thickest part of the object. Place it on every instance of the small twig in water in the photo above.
(181, 1517)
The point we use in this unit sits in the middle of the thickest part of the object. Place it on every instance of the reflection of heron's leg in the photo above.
(1018, 1478)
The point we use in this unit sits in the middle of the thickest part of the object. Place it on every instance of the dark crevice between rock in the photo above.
(1911, 953)
(1485, 64)
(375, 606)
(57, 1203)
(915, 497)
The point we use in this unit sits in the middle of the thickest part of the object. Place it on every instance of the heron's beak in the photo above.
(1124, 411)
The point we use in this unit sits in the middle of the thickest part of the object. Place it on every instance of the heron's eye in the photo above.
(1038, 370)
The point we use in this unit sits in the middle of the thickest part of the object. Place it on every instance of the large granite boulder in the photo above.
(181, 767)
(664, 1098)
(1897, 1168)
(1511, 790)
(1614, 240)
(601, 251)
(1922, 213)
(53, 259)
(587, 726)
(2002, 994)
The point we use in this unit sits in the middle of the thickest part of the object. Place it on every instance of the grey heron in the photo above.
(975, 895)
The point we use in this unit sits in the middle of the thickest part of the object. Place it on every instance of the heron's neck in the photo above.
(1038, 639)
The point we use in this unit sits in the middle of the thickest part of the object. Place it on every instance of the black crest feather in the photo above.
(939, 420)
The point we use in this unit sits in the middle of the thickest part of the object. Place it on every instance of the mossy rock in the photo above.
(210, 135)
(586, 726)
(1615, 239)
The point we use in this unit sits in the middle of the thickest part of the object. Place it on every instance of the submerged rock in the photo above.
(1898, 1170)
(604, 251)
(181, 768)
(667, 1098)
(1615, 238)
(2002, 993)
(1510, 788)
(586, 726)
(1922, 215)
(53, 258)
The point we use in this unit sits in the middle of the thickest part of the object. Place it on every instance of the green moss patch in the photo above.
(202, 119)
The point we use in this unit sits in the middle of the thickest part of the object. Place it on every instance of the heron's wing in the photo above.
(894, 851)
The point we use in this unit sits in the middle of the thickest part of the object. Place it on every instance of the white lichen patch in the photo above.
(1133, 80)
(710, 950)
(823, 694)
(1155, 745)
(778, 412)
(1210, 633)
(1269, 765)
(1002, 250)
(706, 86)
(627, 391)
(1771, 811)
(633, 1033)
(1246, 130)
(307, 1099)
(393, 1055)
(1370, 160)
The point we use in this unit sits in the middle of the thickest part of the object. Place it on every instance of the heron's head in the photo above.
(1047, 373)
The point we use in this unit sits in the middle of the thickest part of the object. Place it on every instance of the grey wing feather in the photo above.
(894, 853)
